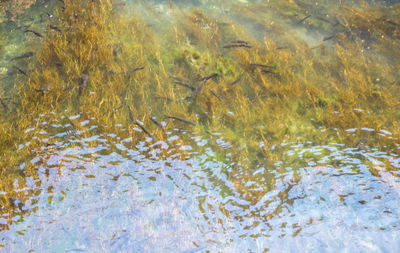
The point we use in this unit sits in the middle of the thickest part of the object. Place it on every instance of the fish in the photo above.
(239, 42)
(25, 55)
(158, 124)
(186, 85)
(261, 65)
(328, 38)
(131, 114)
(55, 28)
(20, 71)
(134, 70)
(143, 129)
(181, 120)
(83, 83)
(35, 33)
(236, 81)
(237, 45)
(215, 95)
(208, 77)
(303, 19)
(267, 71)
(204, 80)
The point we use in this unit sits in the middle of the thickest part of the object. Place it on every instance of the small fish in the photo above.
(208, 77)
(237, 45)
(303, 19)
(83, 83)
(35, 33)
(143, 129)
(181, 120)
(266, 71)
(261, 65)
(158, 124)
(55, 28)
(134, 70)
(26, 55)
(199, 89)
(215, 95)
(185, 85)
(240, 42)
(45, 89)
(236, 81)
(328, 38)
(204, 80)
(20, 71)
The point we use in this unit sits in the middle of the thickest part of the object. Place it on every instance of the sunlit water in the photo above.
(98, 191)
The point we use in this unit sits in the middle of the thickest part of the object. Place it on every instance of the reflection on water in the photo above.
(201, 126)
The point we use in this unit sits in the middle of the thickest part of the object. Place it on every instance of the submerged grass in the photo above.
(111, 68)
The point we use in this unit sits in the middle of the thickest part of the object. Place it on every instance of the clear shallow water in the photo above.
(101, 193)
(93, 190)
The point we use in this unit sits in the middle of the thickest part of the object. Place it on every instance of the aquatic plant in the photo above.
(206, 75)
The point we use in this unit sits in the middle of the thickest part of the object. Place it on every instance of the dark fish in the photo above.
(131, 114)
(143, 129)
(266, 71)
(55, 28)
(303, 19)
(215, 95)
(261, 65)
(237, 45)
(204, 80)
(325, 20)
(20, 71)
(208, 77)
(26, 55)
(236, 81)
(199, 89)
(328, 38)
(134, 70)
(36, 33)
(239, 42)
(185, 85)
(181, 120)
(83, 83)
(391, 22)
(158, 124)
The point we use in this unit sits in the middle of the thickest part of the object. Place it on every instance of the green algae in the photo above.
(341, 84)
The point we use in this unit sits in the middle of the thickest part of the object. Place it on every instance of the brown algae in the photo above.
(114, 69)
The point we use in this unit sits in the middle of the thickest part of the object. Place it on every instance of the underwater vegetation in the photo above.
(242, 74)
